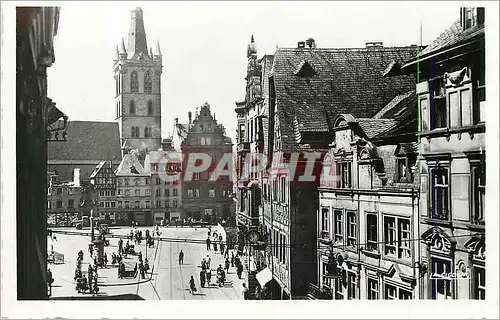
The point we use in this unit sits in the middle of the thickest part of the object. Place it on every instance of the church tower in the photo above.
(137, 73)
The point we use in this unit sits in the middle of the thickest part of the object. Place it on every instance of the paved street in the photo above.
(166, 281)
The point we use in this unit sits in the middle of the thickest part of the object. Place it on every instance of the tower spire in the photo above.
(122, 53)
(137, 43)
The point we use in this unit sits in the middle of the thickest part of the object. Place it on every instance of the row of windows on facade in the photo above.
(204, 141)
(446, 107)
(59, 204)
(350, 290)
(60, 191)
(169, 168)
(195, 193)
(137, 181)
(440, 196)
(396, 235)
(441, 288)
(439, 184)
(254, 126)
(139, 204)
(279, 245)
(147, 192)
(134, 83)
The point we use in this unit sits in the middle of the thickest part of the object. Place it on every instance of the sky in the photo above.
(204, 46)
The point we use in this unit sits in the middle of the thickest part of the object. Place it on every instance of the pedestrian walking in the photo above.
(208, 243)
(203, 264)
(50, 280)
(222, 248)
(181, 257)
(208, 276)
(215, 246)
(245, 291)
(202, 278)
(239, 270)
(208, 262)
(232, 259)
(226, 266)
(192, 287)
(142, 270)
(120, 246)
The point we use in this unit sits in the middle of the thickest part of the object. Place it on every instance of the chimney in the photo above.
(76, 177)
(375, 44)
(301, 44)
(190, 117)
(311, 43)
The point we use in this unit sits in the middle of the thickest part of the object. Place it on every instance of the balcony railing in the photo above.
(319, 293)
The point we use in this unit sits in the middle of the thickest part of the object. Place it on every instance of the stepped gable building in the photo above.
(308, 88)
(137, 73)
(133, 191)
(202, 198)
(452, 159)
(88, 143)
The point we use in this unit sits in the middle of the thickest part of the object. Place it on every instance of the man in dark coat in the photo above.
(208, 243)
(202, 278)
(181, 257)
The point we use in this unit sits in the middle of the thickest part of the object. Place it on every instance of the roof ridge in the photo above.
(348, 48)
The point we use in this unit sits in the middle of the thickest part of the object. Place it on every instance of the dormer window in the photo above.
(305, 69)
(471, 17)
(148, 84)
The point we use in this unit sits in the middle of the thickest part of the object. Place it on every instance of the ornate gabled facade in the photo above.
(137, 73)
(204, 199)
(452, 161)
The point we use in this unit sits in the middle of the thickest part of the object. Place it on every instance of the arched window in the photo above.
(134, 82)
(132, 107)
(133, 132)
(148, 85)
(146, 132)
(150, 107)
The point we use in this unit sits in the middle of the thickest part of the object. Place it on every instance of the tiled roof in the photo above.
(374, 127)
(394, 106)
(347, 81)
(454, 35)
(130, 166)
(88, 140)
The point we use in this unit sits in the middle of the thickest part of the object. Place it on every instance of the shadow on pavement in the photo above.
(103, 297)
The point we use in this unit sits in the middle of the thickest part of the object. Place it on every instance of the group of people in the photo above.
(206, 271)
(89, 282)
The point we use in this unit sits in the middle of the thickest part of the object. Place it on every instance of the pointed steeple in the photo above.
(117, 52)
(122, 53)
(137, 43)
(251, 48)
(157, 55)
